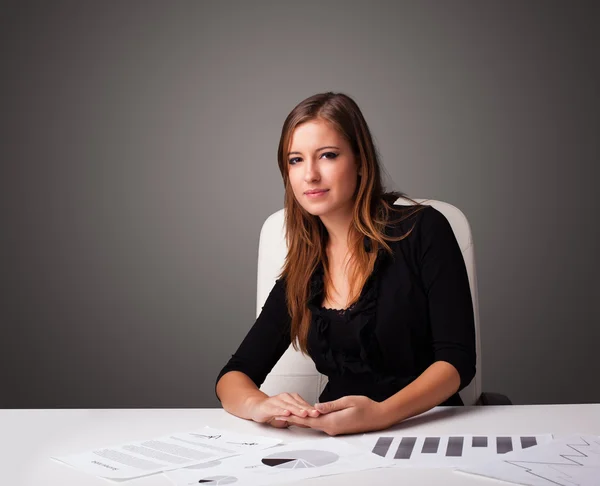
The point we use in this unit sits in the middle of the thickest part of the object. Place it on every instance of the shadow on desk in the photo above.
(439, 413)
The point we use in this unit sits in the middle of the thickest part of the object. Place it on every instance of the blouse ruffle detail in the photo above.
(361, 319)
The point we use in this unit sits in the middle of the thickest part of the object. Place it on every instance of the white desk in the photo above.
(29, 437)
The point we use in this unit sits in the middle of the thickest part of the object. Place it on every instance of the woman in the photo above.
(376, 294)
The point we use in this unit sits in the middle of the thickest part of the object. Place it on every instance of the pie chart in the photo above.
(300, 459)
(213, 480)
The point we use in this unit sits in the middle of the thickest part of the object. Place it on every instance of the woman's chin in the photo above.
(315, 211)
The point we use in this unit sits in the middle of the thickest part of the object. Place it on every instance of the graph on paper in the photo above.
(296, 461)
(300, 459)
(566, 461)
(218, 480)
(448, 451)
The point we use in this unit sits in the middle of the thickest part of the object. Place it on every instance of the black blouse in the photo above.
(414, 309)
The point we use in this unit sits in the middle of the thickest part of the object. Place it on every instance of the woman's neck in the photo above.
(338, 230)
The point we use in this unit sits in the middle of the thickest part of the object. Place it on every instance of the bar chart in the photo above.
(450, 450)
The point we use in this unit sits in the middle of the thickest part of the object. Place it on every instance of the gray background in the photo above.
(138, 162)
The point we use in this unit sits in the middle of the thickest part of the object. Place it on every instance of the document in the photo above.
(285, 463)
(567, 461)
(447, 450)
(141, 458)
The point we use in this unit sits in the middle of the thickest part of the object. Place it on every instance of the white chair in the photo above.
(295, 372)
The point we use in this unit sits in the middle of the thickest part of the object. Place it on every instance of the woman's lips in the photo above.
(313, 195)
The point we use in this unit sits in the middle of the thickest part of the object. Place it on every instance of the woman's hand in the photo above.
(347, 415)
(277, 409)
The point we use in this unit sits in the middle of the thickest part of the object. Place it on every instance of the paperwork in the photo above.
(135, 459)
(211, 456)
(292, 462)
(569, 461)
(447, 450)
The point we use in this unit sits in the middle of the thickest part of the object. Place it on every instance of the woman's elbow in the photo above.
(466, 373)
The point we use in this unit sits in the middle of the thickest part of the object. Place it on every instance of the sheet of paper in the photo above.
(447, 450)
(291, 462)
(568, 461)
(141, 458)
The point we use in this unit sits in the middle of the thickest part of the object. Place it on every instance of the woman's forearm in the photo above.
(238, 393)
(436, 384)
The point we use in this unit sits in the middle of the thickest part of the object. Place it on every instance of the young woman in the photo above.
(376, 294)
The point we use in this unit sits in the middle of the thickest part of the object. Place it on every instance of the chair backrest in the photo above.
(296, 372)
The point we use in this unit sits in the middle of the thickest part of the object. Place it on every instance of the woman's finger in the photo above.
(279, 423)
(269, 409)
(299, 425)
(305, 422)
(295, 408)
(312, 411)
(303, 408)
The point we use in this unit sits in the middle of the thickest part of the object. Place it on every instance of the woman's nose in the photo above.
(311, 172)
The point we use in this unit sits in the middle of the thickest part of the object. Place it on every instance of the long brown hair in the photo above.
(306, 235)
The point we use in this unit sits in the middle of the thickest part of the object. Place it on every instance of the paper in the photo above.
(447, 450)
(135, 459)
(291, 462)
(570, 461)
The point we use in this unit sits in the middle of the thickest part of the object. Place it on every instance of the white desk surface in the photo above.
(28, 438)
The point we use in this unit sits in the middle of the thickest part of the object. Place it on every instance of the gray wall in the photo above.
(138, 145)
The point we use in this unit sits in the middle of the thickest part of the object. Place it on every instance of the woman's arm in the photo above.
(450, 305)
(237, 392)
(353, 414)
(452, 325)
(241, 397)
(434, 386)
(237, 385)
(261, 348)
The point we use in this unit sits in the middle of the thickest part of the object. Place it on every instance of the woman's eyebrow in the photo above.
(320, 148)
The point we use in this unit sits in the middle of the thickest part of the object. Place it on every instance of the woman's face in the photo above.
(321, 159)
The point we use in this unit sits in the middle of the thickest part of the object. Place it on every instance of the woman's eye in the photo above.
(330, 155)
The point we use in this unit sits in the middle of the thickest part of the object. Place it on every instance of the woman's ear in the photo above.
(358, 168)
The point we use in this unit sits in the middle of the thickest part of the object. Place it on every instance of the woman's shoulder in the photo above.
(403, 217)
(419, 225)
(422, 227)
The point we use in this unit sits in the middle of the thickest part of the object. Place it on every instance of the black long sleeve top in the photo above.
(414, 309)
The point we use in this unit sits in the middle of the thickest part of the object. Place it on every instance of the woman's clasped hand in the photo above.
(278, 409)
(347, 415)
